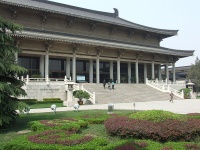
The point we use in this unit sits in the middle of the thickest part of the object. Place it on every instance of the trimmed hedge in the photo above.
(94, 118)
(169, 130)
(52, 141)
(148, 145)
(35, 101)
(51, 99)
(29, 101)
(157, 115)
(58, 124)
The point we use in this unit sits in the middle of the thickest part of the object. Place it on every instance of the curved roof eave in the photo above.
(83, 13)
(110, 44)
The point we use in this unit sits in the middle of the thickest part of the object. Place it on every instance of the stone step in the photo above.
(126, 93)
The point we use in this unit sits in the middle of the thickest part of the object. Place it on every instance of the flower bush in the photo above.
(168, 130)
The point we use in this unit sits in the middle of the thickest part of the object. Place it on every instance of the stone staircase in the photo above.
(126, 93)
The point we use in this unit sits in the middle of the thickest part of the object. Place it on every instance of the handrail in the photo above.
(164, 87)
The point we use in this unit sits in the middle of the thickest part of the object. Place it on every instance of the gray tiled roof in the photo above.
(64, 9)
(55, 36)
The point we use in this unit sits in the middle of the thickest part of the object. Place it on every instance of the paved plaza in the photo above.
(178, 106)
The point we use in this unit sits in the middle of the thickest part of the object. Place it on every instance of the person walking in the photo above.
(113, 85)
(171, 97)
(104, 83)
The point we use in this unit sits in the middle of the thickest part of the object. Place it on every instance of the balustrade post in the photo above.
(65, 80)
(47, 79)
(81, 86)
(168, 88)
(94, 98)
(27, 78)
(182, 93)
(146, 80)
(163, 87)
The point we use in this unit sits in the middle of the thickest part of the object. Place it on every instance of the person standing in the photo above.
(104, 83)
(113, 85)
(109, 85)
(171, 97)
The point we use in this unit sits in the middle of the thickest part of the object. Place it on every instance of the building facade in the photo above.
(60, 40)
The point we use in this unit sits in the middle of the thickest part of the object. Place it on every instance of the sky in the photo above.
(182, 15)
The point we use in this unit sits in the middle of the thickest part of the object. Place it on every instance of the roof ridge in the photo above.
(147, 26)
(77, 8)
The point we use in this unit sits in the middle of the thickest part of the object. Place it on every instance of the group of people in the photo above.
(111, 85)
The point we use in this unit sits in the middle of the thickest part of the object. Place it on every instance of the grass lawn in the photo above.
(97, 130)
(21, 124)
(45, 105)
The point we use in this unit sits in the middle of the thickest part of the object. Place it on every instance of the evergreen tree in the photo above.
(194, 74)
(10, 86)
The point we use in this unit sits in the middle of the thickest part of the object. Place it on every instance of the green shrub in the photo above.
(186, 92)
(156, 115)
(51, 99)
(57, 124)
(94, 118)
(80, 94)
(23, 143)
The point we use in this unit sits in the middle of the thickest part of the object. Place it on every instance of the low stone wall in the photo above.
(40, 90)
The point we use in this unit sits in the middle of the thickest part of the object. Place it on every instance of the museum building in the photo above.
(60, 40)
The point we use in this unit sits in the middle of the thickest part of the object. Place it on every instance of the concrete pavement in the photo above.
(178, 106)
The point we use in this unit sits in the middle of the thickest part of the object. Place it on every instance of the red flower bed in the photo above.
(58, 137)
(169, 130)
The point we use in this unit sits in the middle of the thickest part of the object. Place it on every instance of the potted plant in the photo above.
(80, 94)
(186, 92)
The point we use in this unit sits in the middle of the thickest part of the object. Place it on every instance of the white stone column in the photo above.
(174, 72)
(118, 70)
(167, 72)
(159, 72)
(111, 69)
(74, 67)
(129, 72)
(97, 69)
(91, 71)
(152, 71)
(136, 72)
(68, 67)
(47, 64)
(42, 65)
(145, 72)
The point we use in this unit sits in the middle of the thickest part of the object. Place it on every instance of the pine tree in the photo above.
(194, 74)
(10, 86)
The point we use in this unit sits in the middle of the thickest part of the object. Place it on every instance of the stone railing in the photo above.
(164, 87)
(81, 87)
(59, 81)
(47, 79)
